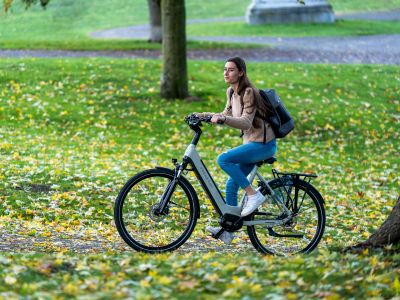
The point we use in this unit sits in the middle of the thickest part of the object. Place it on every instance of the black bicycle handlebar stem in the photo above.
(194, 123)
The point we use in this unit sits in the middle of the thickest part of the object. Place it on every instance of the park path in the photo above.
(382, 49)
(97, 243)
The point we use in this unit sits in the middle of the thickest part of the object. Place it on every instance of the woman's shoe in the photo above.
(252, 203)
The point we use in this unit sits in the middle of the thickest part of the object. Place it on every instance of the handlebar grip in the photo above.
(207, 119)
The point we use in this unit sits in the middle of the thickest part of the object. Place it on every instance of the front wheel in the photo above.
(302, 233)
(139, 222)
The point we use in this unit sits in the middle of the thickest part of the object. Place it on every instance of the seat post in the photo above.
(252, 174)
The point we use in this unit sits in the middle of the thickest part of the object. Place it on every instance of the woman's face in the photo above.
(231, 73)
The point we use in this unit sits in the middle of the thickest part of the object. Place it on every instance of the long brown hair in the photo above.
(244, 83)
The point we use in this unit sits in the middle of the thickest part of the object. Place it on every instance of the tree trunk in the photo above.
(174, 83)
(155, 21)
(388, 233)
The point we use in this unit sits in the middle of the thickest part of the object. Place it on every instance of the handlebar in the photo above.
(194, 120)
(194, 123)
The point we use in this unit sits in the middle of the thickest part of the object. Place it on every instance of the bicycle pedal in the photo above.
(218, 234)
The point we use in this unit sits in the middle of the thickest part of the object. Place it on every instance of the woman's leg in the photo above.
(244, 156)
(232, 188)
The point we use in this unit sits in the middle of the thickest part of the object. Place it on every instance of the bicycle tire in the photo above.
(138, 233)
(265, 239)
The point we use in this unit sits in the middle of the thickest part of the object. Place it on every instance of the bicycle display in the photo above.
(157, 209)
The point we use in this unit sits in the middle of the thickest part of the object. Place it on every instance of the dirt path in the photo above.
(18, 235)
(364, 55)
(99, 244)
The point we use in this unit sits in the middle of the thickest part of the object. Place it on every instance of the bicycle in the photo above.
(157, 209)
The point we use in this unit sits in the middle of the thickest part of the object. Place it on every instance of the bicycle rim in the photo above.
(299, 235)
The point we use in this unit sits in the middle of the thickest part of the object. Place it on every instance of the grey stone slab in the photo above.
(289, 11)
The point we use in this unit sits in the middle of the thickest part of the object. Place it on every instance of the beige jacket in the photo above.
(241, 117)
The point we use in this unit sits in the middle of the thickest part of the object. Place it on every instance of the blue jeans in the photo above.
(238, 163)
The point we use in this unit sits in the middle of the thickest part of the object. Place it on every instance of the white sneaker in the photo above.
(252, 203)
(226, 236)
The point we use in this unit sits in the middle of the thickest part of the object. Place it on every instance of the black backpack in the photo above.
(280, 119)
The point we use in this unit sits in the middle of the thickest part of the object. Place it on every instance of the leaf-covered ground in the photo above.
(73, 131)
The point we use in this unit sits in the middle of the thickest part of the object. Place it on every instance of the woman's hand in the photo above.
(218, 119)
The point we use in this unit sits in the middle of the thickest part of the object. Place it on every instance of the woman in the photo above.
(244, 110)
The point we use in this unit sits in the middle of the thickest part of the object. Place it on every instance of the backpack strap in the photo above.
(241, 103)
(230, 96)
(265, 133)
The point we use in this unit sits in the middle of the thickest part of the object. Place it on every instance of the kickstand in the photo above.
(218, 234)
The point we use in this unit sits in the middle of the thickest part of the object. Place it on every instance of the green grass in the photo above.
(115, 44)
(82, 127)
(363, 5)
(201, 276)
(67, 24)
(339, 28)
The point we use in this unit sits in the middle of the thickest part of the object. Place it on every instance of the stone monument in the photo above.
(289, 11)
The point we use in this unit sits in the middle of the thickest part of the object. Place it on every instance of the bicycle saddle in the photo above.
(268, 161)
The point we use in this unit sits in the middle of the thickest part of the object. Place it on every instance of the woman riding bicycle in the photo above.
(244, 110)
(157, 209)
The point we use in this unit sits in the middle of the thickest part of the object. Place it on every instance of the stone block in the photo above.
(289, 11)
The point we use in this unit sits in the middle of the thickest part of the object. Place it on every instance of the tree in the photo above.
(174, 83)
(155, 21)
(388, 233)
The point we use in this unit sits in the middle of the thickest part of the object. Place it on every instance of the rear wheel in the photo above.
(302, 233)
(139, 222)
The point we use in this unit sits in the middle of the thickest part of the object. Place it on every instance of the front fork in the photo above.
(169, 190)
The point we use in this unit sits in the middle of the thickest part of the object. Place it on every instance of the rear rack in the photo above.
(290, 202)
(304, 176)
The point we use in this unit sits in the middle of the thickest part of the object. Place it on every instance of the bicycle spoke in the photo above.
(306, 209)
(172, 202)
